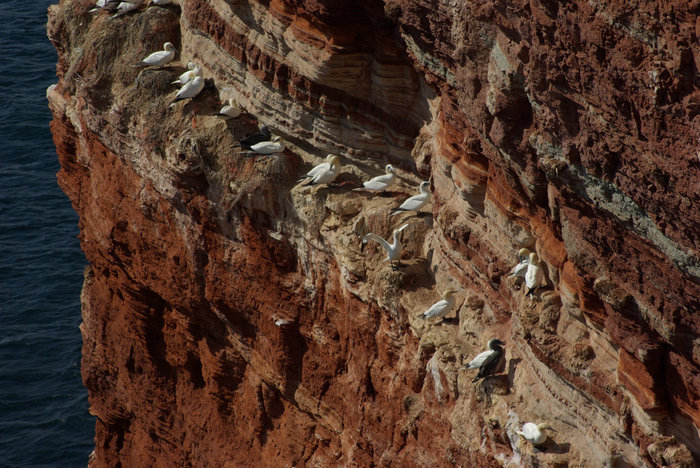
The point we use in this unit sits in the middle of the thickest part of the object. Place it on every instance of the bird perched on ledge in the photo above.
(109, 5)
(231, 110)
(521, 267)
(276, 145)
(441, 308)
(324, 173)
(160, 57)
(192, 70)
(534, 433)
(393, 250)
(190, 90)
(257, 137)
(127, 6)
(534, 274)
(381, 182)
(415, 202)
(489, 361)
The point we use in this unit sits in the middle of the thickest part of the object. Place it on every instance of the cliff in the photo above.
(229, 316)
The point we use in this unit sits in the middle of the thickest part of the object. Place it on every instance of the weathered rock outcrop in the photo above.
(229, 317)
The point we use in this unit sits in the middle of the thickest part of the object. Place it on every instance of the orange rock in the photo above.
(229, 318)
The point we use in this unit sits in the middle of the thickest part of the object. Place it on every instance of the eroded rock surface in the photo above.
(229, 316)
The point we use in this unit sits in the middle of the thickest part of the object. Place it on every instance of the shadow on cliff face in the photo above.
(152, 318)
(295, 346)
(550, 446)
(415, 275)
(512, 364)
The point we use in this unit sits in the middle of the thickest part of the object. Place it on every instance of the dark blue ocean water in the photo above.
(43, 405)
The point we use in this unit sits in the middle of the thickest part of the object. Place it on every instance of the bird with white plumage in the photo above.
(381, 182)
(324, 173)
(105, 5)
(393, 250)
(192, 70)
(521, 267)
(535, 433)
(161, 57)
(534, 274)
(109, 5)
(275, 145)
(190, 90)
(415, 202)
(442, 307)
(231, 110)
(126, 6)
(489, 361)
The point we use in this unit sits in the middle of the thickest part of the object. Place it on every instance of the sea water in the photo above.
(44, 418)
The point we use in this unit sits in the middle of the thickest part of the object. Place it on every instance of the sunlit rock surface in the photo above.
(230, 318)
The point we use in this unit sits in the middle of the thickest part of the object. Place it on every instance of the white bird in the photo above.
(105, 5)
(161, 2)
(192, 70)
(231, 110)
(415, 202)
(393, 250)
(534, 433)
(276, 145)
(190, 90)
(127, 6)
(161, 57)
(381, 182)
(441, 308)
(318, 168)
(521, 267)
(257, 137)
(534, 274)
(324, 173)
(488, 361)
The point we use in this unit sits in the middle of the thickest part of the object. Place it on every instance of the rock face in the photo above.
(229, 316)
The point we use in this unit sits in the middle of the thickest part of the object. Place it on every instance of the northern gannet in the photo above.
(318, 168)
(257, 137)
(190, 90)
(324, 173)
(393, 250)
(161, 57)
(534, 274)
(192, 70)
(126, 6)
(489, 361)
(534, 433)
(441, 308)
(381, 182)
(416, 202)
(521, 267)
(276, 145)
(106, 5)
(231, 110)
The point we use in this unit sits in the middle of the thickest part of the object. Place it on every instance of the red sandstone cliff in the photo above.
(230, 319)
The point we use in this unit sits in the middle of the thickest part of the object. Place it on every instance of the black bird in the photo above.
(489, 361)
(257, 137)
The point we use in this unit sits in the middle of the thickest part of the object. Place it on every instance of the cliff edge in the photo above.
(230, 317)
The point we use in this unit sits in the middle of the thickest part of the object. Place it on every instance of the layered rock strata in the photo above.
(229, 316)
